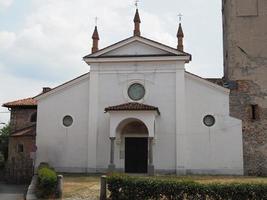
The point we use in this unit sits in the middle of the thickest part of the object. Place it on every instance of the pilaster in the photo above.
(92, 125)
(180, 120)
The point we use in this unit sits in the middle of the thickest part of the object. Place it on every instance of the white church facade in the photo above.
(139, 111)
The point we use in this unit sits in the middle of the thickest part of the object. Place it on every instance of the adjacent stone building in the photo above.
(23, 129)
(245, 68)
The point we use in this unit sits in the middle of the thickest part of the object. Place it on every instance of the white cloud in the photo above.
(57, 34)
(54, 36)
(15, 88)
(5, 4)
(7, 40)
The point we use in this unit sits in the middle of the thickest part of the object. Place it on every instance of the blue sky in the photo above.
(42, 42)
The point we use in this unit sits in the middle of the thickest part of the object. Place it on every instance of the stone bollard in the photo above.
(59, 186)
(103, 187)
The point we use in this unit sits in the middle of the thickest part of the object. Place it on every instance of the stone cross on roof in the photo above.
(96, 19)
(180, 17)
(136, 3)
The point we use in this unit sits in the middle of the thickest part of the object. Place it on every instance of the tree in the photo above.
(4, 136)
(5, 131)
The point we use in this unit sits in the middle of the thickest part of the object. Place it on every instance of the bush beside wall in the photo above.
(47, 182)
(124, 187)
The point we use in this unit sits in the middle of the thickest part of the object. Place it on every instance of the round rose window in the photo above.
(136, 91)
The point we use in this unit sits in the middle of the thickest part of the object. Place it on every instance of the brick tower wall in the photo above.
(245, 68)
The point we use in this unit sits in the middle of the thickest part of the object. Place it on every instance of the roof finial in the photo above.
(136, 3)
(180, 35)
(96, 19)
(137, 21)
(180, 17)
(95, 37)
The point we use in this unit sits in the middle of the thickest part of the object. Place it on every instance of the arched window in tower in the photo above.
(34, 117)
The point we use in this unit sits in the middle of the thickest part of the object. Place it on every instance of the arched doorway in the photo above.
(135, 135)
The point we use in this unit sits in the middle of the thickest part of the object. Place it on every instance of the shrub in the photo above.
(47, 182)
(124, 187)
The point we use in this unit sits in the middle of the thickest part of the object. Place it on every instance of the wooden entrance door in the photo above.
(136, 155)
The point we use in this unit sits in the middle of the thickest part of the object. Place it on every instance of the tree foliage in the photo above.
(4, 135)
(5, 131)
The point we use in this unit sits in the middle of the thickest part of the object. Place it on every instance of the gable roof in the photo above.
(132, 106)
(28, 102)
(62, 86)
(210, 82)
(170, 50)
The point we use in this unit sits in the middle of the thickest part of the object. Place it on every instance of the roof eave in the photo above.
(136, 38)
(131, 110)
(62, 86)
(19, 106)
(185, 58)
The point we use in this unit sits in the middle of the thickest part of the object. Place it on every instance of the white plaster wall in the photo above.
(183, 101)
(216, 149)
(159, 80)
(64, 148)
(136, 48)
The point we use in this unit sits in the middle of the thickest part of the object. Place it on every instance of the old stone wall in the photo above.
(26, 141)
(245, 63)
(21, 118)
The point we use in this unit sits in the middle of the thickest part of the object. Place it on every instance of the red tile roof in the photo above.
(28, 131)
(29, 102)
(132, 106)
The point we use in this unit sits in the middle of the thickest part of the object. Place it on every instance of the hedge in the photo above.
(47, 182)
(124, 187)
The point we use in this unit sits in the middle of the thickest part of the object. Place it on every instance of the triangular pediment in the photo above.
(136, 47)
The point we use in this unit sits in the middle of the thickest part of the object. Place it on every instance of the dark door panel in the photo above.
(136, 155)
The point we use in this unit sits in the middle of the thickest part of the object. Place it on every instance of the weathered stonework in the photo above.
(21, 118)
(26, 141)
(245, 63)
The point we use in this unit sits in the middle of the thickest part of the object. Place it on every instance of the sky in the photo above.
(42, 42)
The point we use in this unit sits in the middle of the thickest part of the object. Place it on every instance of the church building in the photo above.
(138, 111)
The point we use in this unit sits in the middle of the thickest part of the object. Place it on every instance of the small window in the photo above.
(34, 117)
(209, 120)
(255, 112)
(67, 121)
(20, 148)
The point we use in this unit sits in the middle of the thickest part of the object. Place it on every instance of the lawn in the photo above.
(221, 179)
(81, 186)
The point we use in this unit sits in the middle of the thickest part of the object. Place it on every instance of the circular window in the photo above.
(67, 121)
(136, 91)
(209, 120)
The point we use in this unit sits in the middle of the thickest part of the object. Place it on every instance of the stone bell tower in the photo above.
(245, 73)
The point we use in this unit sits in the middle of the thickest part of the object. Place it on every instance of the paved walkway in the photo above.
(12, 192)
